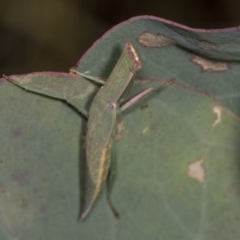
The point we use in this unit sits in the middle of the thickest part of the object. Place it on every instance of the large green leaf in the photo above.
(177, 152)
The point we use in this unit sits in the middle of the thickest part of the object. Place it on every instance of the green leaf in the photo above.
(177, 151)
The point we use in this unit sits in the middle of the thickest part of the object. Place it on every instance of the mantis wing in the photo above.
(72, 88)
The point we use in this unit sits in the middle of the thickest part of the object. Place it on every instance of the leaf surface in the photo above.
(177, 151)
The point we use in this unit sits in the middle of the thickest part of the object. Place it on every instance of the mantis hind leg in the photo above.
(109, 182)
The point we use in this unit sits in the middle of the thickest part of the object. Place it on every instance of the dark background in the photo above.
(51, 35)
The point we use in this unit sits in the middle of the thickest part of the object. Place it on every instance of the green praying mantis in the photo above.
(109, 101)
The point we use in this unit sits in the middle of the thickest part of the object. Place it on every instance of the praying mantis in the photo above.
(109, 101)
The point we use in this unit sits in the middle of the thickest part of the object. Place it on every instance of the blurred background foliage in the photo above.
(43, 35)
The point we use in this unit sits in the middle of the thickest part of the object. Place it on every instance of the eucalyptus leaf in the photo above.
(177, 151)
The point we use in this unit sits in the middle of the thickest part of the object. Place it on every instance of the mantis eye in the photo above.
(112, 105)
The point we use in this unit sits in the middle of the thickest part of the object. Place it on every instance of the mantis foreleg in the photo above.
(92, 78)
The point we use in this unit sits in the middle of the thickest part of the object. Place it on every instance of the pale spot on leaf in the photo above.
(155, 40)
(211, 65)
(196, 170)
(218, 111)
(145, 130)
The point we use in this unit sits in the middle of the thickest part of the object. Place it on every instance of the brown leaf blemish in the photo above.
(207, 46)
(17, 132)
(17, 209)
(210, 65)
(155, 40)
(196, 170)
(120, 131)
(20, 178)
(143, 106)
